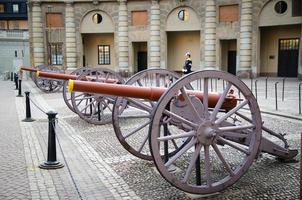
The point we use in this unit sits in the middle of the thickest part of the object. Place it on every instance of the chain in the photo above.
(37, 106)
(54, 121)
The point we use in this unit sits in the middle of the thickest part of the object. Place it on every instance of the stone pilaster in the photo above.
(37, 35)
(70, 32)
(123, 40)
(246, 22)
(210, 34)
(154, 45)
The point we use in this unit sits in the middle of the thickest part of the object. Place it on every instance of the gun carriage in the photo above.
(200, 141)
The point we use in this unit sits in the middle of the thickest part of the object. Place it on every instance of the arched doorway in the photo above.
(183, 35)
(97, 32)
(280, 38)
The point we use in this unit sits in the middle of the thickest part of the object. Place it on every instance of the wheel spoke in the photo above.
(231, 112)
(181, 119)
(224, 162)
(181, 152)
(87, 105)
(220, 102)
(143, 143)
(137, 129)
(187, 98)
(192, 163)
(236, 128)
(140, 105)
(207, 161)
(171, 137)
(229, 143)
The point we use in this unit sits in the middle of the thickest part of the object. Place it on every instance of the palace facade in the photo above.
(243, 37)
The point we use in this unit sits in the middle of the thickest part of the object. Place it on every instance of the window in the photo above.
(56, 54)
(15, 8)
(97, 18)
(228, 13)
(2, 8)
(3, 24)
(54, 20)
(183, 15)
(104, 54)
(139, 18)
(281, 7)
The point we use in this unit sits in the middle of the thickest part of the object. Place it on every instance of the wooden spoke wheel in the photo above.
(95, 108)
(66, 94)
(49, 85)
(131, 117)
(222, 143)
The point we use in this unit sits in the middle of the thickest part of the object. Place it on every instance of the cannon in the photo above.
(87, 74)
(200, 142)
(46, 85)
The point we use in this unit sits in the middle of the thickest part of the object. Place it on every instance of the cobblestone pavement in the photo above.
(98, 167)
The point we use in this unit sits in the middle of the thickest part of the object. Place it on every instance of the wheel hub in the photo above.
(206, 133)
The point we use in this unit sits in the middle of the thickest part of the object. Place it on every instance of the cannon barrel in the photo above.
(30, 69)
(150, 93)
(71, 77)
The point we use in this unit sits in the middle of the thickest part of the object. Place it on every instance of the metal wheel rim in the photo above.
(221, 184)
(66, 94)
(43, 83)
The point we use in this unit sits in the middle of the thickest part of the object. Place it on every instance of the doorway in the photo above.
(288, 57)
(140, 56)
(229, 56)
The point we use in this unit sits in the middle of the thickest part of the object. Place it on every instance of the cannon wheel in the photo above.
(49, 85)
(136, 113)
(66, 94)
(214, 158)
(95, 108)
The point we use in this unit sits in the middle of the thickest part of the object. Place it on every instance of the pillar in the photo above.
(37, 35)
(210, 34)
(123, 41)
(71, 53)
(245, 68)
(154, 45)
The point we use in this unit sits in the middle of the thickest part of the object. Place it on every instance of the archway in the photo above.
(183, 35)
(280, 38)
(97, 30)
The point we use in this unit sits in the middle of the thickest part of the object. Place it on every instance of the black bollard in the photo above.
(16, 81)
(20, 89)
(51, 162)
(12, 76)
(28, 112)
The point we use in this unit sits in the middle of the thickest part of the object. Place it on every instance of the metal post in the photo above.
(266, 87)
(215, 84)
(283, 83)
(300, 84)
(51, 162)
(211, 85)
(16, 81)
(12, 76)
(27, 107)
(276, 94)
(256, 90)
(252, 84)
(20, 89)
(223, 84)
